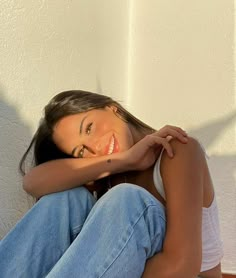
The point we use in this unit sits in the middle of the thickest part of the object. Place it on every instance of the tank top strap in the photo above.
(157, 179)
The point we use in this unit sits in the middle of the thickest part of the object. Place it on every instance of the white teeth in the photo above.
(111, 147)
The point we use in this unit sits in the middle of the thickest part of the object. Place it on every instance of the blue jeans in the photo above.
(69, 234)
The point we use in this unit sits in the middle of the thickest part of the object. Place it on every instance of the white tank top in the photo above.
(212, 247)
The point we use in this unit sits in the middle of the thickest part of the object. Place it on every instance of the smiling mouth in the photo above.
(111, 146)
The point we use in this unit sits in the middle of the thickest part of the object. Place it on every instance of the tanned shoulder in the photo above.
(182, 178)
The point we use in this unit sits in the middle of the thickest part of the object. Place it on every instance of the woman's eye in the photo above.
(88, 128)
(81, 152)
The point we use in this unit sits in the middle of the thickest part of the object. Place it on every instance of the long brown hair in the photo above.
(65, 104)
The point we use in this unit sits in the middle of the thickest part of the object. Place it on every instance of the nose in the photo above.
(94, 146)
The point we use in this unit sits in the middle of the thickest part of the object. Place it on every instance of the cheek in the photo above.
(129, 140)
(102, 129)
(125, 140)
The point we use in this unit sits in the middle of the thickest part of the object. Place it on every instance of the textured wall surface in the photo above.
(167, 62)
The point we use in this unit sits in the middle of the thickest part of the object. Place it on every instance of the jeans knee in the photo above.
(123, 190)
(78, 194)
(127, 194)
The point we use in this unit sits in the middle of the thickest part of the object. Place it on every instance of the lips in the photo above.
(112, 146)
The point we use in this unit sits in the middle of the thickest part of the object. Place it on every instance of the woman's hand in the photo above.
(144, 153)
(170, 131)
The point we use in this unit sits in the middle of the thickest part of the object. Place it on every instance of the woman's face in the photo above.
(94, 133)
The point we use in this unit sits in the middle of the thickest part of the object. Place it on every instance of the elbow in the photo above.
(26, 185)
(28, 188)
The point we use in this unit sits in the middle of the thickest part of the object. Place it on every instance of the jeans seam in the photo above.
(164, 220)
(133, 226)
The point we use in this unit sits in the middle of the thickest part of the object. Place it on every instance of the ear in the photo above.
(113, 108)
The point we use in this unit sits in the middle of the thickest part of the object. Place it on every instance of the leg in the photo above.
(37, 241)
(124, 228)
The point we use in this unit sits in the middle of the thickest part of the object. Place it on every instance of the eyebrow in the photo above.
(80, 132)
(81, 124)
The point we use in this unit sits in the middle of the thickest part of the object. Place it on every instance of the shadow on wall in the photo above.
(222, 166)
(14, 134)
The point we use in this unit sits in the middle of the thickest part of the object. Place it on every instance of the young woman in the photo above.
(152, 211)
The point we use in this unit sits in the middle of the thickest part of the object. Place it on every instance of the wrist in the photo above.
(127, 162)
(122, 162)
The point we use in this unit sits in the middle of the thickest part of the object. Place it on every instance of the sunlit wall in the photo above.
(167, 62)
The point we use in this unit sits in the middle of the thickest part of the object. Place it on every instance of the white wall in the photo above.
(47, 47)
(174, 58)
(181, 72)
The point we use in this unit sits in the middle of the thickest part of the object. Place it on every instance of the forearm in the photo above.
(63, 174)
(162, 265)
(59, 175)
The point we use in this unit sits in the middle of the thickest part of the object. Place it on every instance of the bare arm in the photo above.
(183, 182)
(63, 174)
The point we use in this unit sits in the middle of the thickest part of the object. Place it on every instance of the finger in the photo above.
(166, 145)
(178, 135)
(168, 128)
(169, 137)
(180, 130)
(172, 132)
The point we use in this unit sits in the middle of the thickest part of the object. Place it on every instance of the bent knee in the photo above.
(78, 192)
(123, 189)
(130, 193)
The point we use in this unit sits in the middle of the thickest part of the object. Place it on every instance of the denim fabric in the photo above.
(68, 234)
